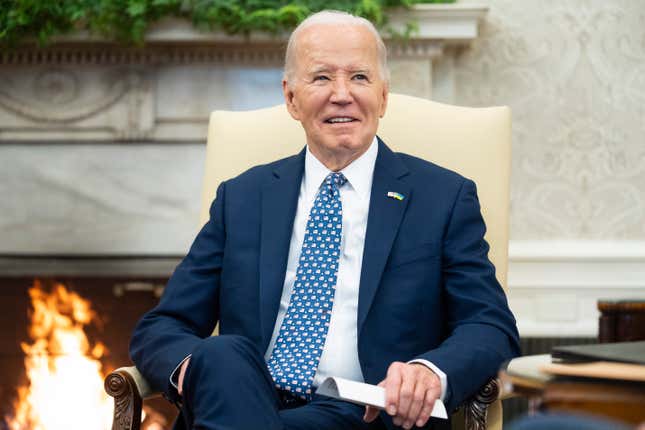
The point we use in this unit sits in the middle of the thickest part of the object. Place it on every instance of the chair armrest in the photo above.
(128, 388)
(476, 408)
(143, 388)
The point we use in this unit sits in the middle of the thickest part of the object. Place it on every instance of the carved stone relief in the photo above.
(96, 102)
(573, 73)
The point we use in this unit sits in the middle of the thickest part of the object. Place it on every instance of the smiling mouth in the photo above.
(340, 120)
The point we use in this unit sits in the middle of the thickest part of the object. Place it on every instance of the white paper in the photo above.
(365, 394)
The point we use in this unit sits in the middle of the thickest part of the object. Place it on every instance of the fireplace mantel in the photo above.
(85, 89)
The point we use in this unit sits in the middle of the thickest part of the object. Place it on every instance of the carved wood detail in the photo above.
(127, 401)
(476, 409)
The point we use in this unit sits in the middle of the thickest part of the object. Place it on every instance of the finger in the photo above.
(431, 396)
(416, 405)
(370, 414)
(392, 386)
(428, 405)
(406, 394)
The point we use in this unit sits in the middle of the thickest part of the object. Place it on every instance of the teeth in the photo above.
(340, 119)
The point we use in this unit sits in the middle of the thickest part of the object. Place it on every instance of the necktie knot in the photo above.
(337, 179)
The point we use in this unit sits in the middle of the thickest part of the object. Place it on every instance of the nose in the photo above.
(341, 93)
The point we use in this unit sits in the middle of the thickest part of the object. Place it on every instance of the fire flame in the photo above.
(65, 388)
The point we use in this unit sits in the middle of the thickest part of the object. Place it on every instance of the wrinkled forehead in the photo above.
(336, 45)
(336, 35)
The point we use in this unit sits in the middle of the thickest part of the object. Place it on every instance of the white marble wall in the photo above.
(99, 199)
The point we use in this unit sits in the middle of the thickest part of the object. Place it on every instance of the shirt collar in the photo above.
(359, 172)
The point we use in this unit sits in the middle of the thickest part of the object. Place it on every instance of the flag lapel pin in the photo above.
(395, 195)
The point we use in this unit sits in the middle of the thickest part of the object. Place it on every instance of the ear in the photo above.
(384, 95)
(289, 99)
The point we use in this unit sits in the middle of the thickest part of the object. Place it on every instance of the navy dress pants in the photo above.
(227, 386)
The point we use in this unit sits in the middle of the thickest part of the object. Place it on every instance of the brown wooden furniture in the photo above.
(621, 320)
(615, 399)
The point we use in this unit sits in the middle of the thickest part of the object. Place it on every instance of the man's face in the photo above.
(337, 91)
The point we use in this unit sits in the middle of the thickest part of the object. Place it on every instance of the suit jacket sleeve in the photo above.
(189, 308)
(481, 330)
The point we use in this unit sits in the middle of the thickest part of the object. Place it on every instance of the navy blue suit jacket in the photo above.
(427, 288)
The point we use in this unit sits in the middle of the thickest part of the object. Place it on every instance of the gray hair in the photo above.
(333, 17)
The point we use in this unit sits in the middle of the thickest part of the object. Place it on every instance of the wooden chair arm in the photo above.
(121, 385)
(476, 409)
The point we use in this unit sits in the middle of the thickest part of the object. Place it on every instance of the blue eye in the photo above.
(321, 78)
(361, 77)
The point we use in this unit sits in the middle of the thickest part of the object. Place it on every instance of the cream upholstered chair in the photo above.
(475, 142)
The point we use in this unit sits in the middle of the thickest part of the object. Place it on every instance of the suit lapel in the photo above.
(279, 202)
(384, 218)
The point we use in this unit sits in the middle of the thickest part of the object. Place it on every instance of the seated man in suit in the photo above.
(346, 259)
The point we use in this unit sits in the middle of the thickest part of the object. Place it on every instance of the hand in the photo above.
(180, 378)
(410, 393)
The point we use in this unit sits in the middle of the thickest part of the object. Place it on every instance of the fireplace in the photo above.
(118, 298)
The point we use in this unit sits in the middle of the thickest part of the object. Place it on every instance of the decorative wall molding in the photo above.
(85, 89)
(123, 266)
(456, 23)
(254, 54)
(553, 286)
(49, 103)
(79, 53)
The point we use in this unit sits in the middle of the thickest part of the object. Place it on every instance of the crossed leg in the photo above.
(227, 386)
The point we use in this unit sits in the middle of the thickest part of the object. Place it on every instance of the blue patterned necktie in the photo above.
(295, 356)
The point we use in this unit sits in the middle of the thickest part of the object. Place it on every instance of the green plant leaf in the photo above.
(128, 20)
(136, 7)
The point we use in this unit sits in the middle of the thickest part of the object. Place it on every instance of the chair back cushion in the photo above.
(474, 142)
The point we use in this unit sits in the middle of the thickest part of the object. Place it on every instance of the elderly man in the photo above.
(344, 260)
